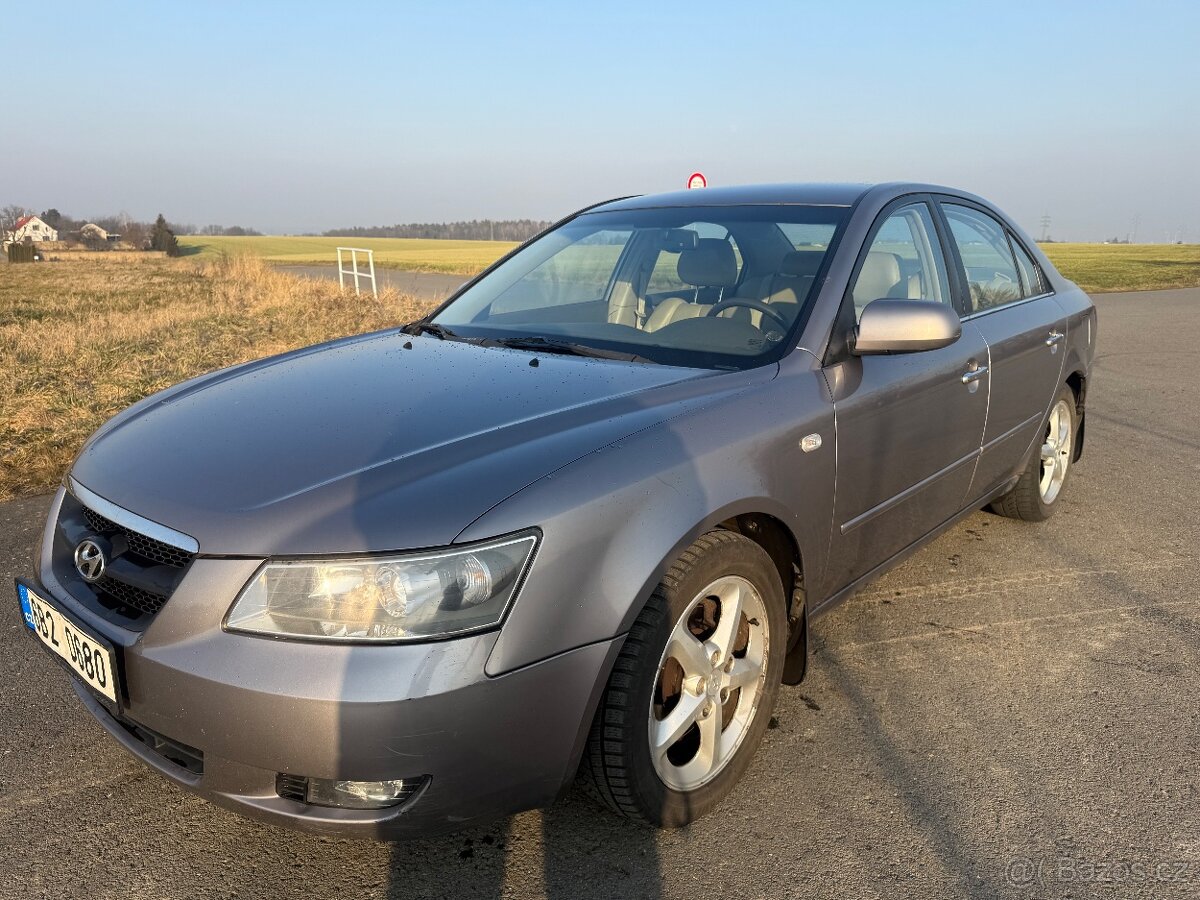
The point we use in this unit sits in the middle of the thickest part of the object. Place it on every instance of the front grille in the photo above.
(142, 574)
(143, 546)
(122, 596)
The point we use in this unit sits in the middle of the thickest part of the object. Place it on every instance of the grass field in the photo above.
(1095, 267)
(81, 341)
(1098, 268)
(458, 257)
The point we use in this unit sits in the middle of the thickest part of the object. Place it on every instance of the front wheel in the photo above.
(1034, 496)
(694, 685)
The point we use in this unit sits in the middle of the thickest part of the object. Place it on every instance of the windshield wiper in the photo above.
(566, 348)
(439, 331)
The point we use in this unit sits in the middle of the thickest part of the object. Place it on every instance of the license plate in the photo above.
(90, 658)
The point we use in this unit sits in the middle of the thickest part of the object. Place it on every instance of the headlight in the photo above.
(406, 597)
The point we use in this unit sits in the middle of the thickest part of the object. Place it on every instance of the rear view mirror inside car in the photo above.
(676, 240)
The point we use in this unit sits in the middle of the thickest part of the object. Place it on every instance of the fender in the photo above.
(619, 516)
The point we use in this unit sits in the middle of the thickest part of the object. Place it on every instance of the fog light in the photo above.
(347, 794)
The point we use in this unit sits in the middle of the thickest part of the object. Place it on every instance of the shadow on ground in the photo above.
(573, 849)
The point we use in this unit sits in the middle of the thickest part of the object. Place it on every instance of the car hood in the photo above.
(364, 445)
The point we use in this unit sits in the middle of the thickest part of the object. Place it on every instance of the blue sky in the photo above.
(305, 116)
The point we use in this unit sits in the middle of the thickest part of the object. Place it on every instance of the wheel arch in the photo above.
(781, 544)
(757, 520)
(1077, 381)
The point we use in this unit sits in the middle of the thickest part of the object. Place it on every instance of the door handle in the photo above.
(1053, 338)
(974, 374)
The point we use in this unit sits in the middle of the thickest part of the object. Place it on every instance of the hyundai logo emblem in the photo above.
(89, 560)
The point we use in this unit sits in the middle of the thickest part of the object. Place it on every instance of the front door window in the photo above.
(904, 261)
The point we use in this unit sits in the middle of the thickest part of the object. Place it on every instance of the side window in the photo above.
(986, 256)
(904, 261)
(664, 277)
(1031, 276)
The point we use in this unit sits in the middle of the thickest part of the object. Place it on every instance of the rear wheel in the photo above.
(694, 685)
(1034, 497)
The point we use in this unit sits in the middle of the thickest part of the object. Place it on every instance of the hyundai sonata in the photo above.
(581, 517)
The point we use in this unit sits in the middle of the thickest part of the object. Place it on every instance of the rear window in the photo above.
(665, 276)
(806, 236)
(986, 256)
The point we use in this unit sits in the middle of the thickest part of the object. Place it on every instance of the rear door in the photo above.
(908, 425)
(1025, 329)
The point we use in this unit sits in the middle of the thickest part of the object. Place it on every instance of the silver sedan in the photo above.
(581, 518)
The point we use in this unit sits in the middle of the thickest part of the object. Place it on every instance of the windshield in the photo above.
(712, 287)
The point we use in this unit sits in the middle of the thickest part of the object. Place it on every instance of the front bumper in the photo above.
(255, 707)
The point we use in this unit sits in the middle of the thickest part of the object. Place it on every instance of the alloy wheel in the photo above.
(1056, 452)
(710, 680)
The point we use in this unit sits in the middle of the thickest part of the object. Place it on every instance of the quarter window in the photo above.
(986, 256)
(1031, 276)
(904, 261)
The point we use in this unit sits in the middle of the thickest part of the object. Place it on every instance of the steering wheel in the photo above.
(763, 308)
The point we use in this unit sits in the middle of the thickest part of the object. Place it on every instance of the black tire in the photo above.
(1026, 501)
(618, 759)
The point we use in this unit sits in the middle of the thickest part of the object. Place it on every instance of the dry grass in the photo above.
(80, 342)
(110, 257)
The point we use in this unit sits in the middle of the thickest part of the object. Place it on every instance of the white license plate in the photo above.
(90, 658)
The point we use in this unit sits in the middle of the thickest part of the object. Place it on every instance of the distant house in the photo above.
(29, 229)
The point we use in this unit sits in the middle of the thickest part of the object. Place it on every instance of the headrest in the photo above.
(801, 262)
(879, 277)
(881, 266)
(710, 264)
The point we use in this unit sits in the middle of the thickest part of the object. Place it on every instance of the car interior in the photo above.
(734, 287)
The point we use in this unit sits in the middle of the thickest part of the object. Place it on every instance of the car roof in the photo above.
(811, 194)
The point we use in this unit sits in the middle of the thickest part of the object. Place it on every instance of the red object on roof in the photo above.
(21, 222)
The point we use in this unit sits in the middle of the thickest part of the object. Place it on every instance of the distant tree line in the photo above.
(226, 231)
(475, 230)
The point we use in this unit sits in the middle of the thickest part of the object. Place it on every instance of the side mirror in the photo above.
(905, 326)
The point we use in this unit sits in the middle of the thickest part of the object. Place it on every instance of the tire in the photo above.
(1036, 494)
(661, 682)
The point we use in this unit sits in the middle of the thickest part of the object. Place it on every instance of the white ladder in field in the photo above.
(354, 271)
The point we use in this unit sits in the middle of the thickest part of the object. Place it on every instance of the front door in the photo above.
(908, 425)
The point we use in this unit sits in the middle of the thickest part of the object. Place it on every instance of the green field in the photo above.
(459, 257)
(1098, 268)
(1095, 267)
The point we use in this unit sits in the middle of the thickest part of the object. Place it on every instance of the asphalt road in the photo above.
(423, 285)
(1015, 712)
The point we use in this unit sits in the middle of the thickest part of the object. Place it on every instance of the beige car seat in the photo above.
(881, 276)
(710, 264)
